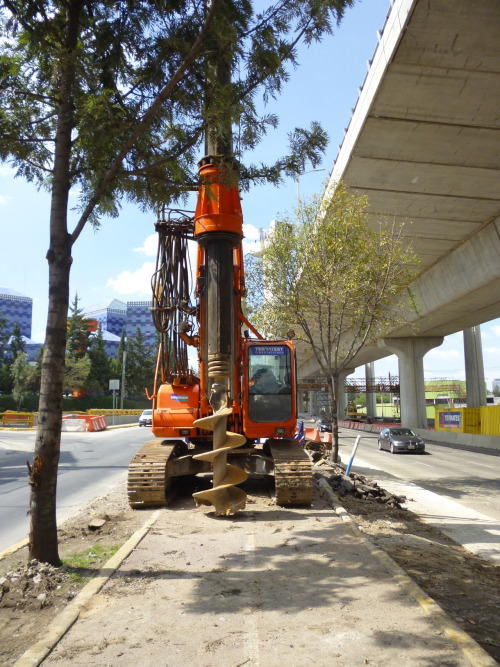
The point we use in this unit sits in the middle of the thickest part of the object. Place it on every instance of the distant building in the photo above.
(112, 317)
(118, 315)
(139, 315)
(16, 307)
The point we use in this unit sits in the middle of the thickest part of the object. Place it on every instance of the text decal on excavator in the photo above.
(178, 397)
(277, 350)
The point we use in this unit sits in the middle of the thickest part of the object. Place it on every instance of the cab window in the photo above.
(269, 385)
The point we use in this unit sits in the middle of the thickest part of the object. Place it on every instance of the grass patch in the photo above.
(83, 566)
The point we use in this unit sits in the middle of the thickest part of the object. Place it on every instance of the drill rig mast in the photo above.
(246, 389)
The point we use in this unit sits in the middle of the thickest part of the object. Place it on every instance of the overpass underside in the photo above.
(423, 145)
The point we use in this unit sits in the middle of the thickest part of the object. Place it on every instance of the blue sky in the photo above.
(117, 260)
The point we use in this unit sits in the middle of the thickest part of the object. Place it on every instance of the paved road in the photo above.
(467, 476)
(90, 464)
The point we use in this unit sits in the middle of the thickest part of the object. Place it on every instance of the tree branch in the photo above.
(146, 121)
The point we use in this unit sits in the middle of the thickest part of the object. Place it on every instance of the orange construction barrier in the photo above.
(313, 434)
(92, 422)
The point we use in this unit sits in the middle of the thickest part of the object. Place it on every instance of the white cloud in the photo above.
(251, 232)
(492, 350)
(150, 246)
(3, 200)
(496, 330)
(133, 282)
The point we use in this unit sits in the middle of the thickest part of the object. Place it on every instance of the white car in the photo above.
(146, 419)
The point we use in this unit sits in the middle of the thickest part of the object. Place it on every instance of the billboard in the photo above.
(450, 419)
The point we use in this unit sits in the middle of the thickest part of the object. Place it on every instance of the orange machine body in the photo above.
(179, 402)
(175, 410)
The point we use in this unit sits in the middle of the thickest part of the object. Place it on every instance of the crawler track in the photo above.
(292, 473)
(148, 484)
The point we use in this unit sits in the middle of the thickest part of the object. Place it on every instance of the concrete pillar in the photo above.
(313, 401)
(342, 397)
(474, 368)
(411, 352)
(371, 396)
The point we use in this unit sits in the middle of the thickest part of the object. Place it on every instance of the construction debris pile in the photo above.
(32, 586)
(358, 486)
(317, 451)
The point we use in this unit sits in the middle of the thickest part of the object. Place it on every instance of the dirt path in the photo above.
(267, 587)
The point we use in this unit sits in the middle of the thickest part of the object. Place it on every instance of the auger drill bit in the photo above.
(224, 495)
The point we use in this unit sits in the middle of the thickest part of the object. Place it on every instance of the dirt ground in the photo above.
(31, 594)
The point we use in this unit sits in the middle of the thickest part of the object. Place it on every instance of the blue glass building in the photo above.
(16, 307)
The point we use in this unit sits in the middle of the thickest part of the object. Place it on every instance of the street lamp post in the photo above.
(297, 180)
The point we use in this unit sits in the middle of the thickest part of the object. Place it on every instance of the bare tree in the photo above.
(334, 279)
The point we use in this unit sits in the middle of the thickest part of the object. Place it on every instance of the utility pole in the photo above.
(124, 359)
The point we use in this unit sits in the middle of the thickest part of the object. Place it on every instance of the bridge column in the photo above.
(342, 397)
(474, 368)
(411, 352)
(371, 397)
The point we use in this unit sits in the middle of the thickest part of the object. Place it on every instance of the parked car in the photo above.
(398, 439)
(324, 424)
(146, 419)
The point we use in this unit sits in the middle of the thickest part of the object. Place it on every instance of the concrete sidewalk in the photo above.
(269, 586)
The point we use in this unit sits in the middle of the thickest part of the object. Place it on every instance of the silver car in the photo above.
(399, 439)
(146, 419)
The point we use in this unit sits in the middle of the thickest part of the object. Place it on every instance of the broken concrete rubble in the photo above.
(359, 487)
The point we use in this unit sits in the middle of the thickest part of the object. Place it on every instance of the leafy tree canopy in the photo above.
(334, 278)
(130, 63)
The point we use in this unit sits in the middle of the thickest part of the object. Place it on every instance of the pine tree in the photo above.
(100, 370)
(17, 343)
(79, 334)
(110, 98)
(21, 378)
(141, 363)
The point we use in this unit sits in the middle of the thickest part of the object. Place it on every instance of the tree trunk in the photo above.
(333, 384)
(43, 472)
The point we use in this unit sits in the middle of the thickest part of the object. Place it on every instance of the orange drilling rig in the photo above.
(238, 414)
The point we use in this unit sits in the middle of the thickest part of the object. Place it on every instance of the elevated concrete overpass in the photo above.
(423, 144)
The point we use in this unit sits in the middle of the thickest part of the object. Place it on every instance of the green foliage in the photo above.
(334, 278)
(100, 371)
(76, 372)
(17, 343)
(3, 336)
(78, 338)
(119, 62)
(140, 365)
(22, 377)
(83, 566)
(117, 364)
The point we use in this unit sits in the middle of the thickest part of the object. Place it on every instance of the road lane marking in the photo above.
(429, 465)
(483, 465)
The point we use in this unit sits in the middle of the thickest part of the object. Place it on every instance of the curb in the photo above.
(471, 649)
(54, 632)
(13, 548)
